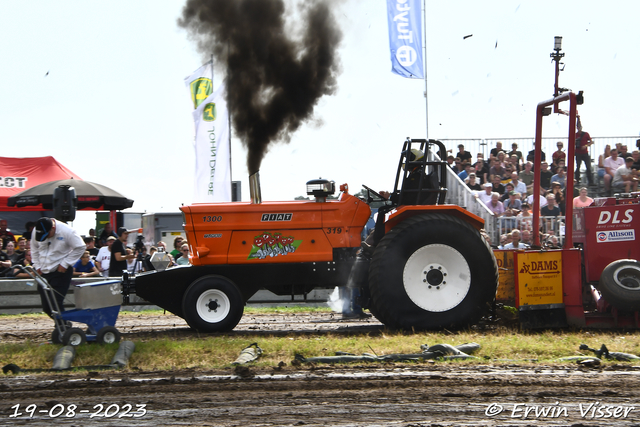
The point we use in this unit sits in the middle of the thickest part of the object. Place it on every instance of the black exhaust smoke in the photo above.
(275, 74)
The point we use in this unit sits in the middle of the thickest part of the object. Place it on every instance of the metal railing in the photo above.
(458, 193)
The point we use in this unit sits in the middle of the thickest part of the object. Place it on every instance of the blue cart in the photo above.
(97, 306)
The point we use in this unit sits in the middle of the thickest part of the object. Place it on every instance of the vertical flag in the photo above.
(405, 38)
(213, 169)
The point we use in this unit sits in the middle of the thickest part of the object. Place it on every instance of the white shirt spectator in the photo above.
(613, 164)
(520, 246)
(520, 187)
(617, 176)
(483, 196)
(104, 257)
(543, 201)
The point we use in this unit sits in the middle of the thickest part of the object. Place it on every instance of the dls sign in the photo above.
(617, 217)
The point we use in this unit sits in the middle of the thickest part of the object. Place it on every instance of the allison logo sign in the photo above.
(615, 236)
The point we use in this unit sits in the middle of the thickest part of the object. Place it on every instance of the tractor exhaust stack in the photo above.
(254, 188)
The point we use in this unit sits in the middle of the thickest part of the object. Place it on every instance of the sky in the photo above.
(99, 86)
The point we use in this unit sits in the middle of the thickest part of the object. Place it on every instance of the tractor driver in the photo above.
(412, 184)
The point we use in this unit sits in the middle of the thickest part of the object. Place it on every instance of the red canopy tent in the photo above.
(20, 173)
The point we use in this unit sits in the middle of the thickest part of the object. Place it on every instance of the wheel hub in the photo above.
(435, 276)
(213, 305)
(628, 277)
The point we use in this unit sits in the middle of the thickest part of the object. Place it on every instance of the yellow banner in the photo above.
(506, 281)
(539, 277)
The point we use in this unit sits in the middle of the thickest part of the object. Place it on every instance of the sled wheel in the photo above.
(74, 337)
(108, 335)
(212, 304)
(432, 271)
(620, 284)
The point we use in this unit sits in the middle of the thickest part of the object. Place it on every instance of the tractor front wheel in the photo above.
(213, 304)
(432, 271)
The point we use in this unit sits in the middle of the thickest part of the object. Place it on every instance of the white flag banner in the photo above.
(213, 169)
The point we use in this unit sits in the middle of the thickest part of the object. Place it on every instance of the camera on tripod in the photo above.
(139, 243)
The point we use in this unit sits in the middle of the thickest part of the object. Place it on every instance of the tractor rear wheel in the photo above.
(213, 304)
(432, 271)
(620, 284)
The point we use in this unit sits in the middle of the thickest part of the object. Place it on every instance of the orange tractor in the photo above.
(425, 266)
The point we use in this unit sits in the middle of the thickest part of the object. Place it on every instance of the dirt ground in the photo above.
(425, 394)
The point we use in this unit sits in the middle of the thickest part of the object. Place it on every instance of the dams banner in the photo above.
(405, 38)
(212, 181)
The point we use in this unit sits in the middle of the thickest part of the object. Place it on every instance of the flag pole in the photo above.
(229, 124)
(426, 99)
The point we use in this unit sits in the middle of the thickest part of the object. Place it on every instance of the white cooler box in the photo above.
(98, 294)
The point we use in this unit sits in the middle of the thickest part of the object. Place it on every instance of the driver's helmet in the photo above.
(414, 155)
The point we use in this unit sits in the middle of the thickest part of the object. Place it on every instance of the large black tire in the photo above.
(432, 271)
(620, 284)
(212, 304)
(74, 337)
(108, 335)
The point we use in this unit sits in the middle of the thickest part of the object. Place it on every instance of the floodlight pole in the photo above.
(556, 56)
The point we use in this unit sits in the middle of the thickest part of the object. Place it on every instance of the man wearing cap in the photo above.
(623, 177)
(55, 248)
(119, 255)
(485, 196)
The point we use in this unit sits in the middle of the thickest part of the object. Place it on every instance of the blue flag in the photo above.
(405, 38)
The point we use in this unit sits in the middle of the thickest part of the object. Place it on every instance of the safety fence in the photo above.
(458, 193)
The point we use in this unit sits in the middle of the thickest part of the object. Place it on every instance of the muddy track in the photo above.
(423, 394)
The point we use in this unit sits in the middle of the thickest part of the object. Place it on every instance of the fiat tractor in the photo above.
(426, 266)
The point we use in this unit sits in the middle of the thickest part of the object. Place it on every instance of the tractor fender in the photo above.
(404, 212)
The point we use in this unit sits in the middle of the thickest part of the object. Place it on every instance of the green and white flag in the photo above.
(213, 170)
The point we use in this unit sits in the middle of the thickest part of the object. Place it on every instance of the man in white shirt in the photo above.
(518, 186)
(485, 196)
(515, 241)
(611, 164)
(103, 258)
(55, 248)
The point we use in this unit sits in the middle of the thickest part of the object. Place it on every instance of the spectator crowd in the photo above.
(504, 183)
(97, 260)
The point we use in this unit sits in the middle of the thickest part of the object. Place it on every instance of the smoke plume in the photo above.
(275, 75)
